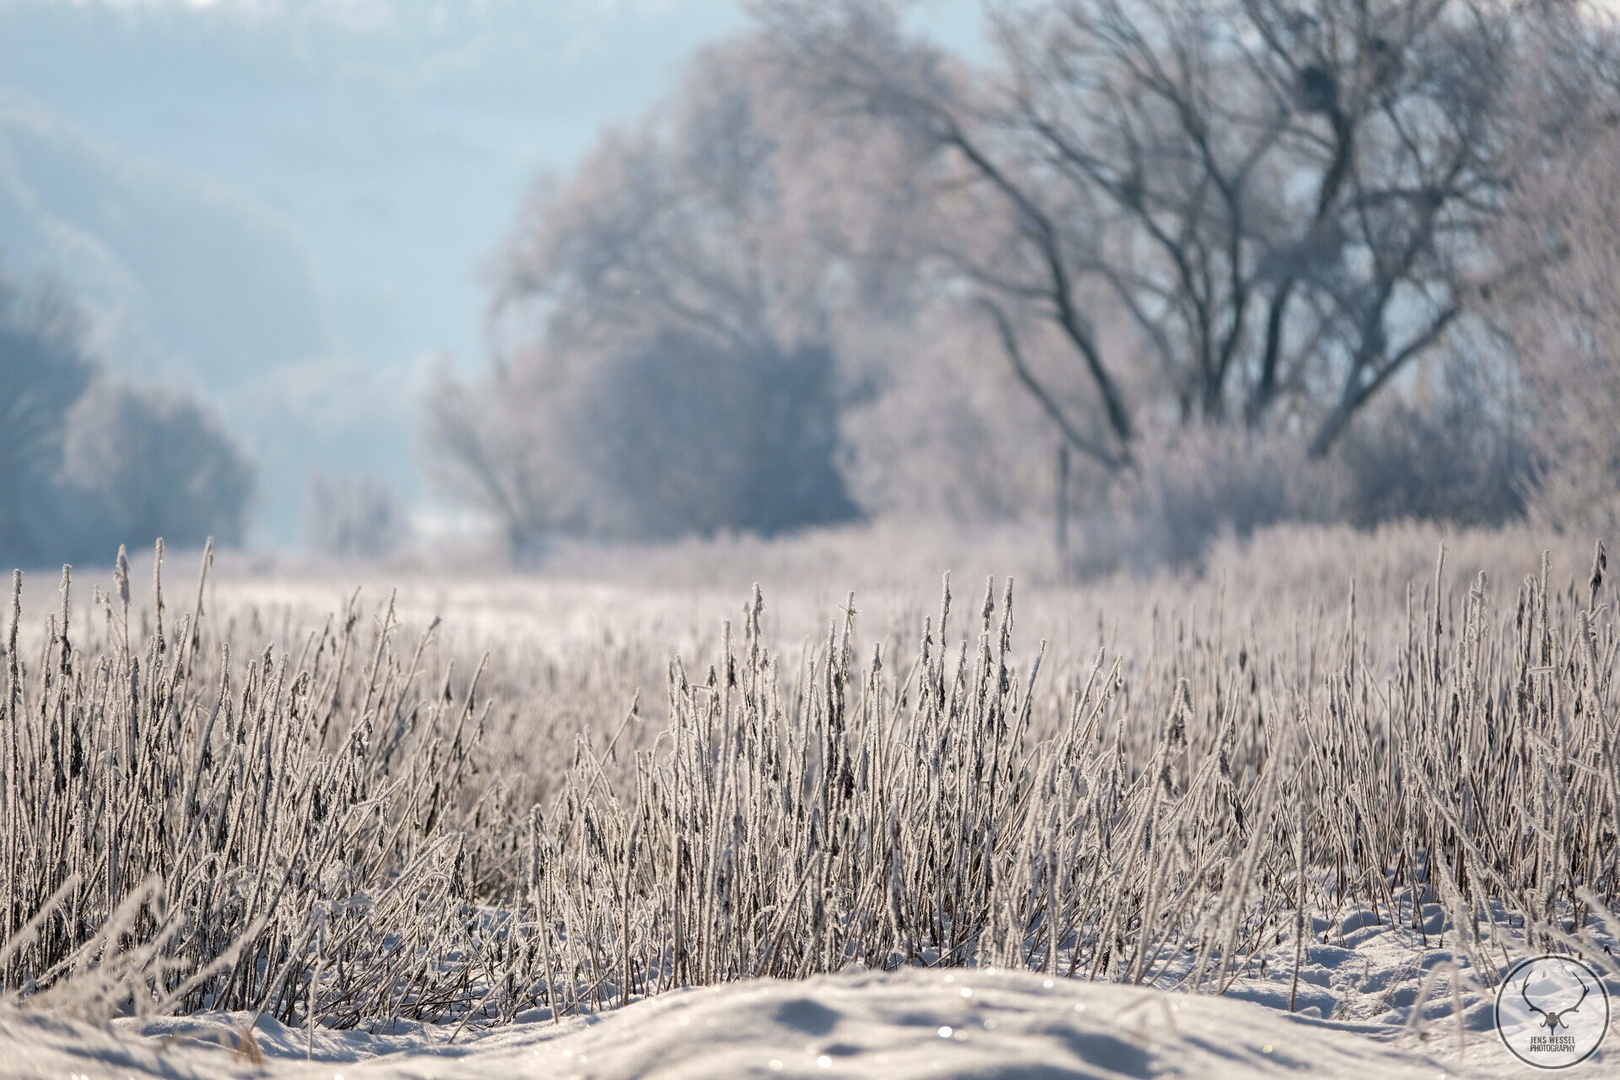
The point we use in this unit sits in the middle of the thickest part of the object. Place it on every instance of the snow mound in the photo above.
(888, 1026)
(956, 1024)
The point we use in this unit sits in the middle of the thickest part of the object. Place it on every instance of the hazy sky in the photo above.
(289, 203)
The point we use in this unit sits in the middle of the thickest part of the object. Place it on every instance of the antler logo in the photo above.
(1546, 1014)
(1549, 1019)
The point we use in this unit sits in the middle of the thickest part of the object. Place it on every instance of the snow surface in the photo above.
(890, 1026)
(1372, 1001)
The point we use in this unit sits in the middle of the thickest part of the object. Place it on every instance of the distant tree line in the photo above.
(89, 461)
(1236, 261)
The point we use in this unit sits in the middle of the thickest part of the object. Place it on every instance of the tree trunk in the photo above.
(1063, 510)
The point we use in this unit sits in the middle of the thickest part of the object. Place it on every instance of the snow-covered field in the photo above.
(1247, 808)
(887, 1026)
(1378, 1004)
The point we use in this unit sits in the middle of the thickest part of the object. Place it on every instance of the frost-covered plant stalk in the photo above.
(340, 832)
(185, 828)
(1167, 825)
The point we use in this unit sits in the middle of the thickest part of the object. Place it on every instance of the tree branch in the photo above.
(1048, 404)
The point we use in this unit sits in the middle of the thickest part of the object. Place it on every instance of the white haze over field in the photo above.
(287, 204)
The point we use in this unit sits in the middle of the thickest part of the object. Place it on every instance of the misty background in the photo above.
(366, 279)
(290, 207)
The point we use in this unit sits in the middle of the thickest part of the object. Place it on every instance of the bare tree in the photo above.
(494, 446)
(1285, 203)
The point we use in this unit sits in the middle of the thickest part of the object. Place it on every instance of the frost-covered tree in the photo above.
(87, 462)
(1567, 332)
(43, 371)
(156, 463)
(1560, 316)
(666, 329)
(689, 437)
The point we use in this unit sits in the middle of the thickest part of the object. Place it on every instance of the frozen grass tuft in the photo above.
(1166, 826)
(346, 832)
(185, 828)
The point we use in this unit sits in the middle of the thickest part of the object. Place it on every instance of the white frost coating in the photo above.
(880, 1026)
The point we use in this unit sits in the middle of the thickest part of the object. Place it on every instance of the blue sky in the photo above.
(288, 204)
